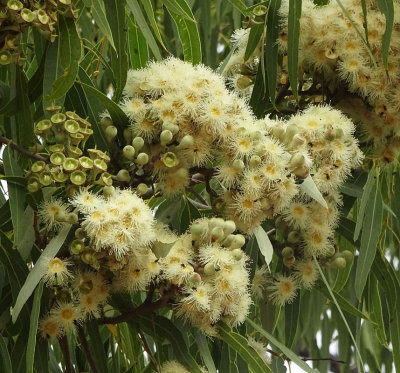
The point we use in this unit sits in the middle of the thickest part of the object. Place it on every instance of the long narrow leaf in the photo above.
(386, 7)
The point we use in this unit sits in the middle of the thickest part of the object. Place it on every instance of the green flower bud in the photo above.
(111, 132)
(195, 279)
(237, 254)
(289, 261)
(42, 17)
(72, 218)
(165, 137)
(127, 135)
(27, 15)
(209, 269)
(100, 165)
(260, 150)
(70, 164)
(291, 130)
(142, 189)
(170, 127)
(287, 252)
(237, 242)
(58, 118)
(294, 237)
(43, 126)
(57, 158)
(297, 160)
(71, 126)
(238, 165)
(217, 234)
(108, 191)
(78, 177)
(85, 163)
(229, 227)
(38, 166)
(186, 142)
(255, 161)
(33, 185)
(79, 234)
(338, 263)
(138, 143)
(123, 175)
(106, 122)
(170, 159)
(198, 229)
(106, 179)
(88, 257)
(347, 255)
(216, 222)
(228, 240)
(60, 177)
(76, 246)
(14, 5)
(243, 82)
(72, 115)
(45, 178)
(74, 152)
(129, 152)
(142, 159)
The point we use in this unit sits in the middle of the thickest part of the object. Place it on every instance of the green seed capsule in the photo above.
(72, 115)
(71, 126)
(42, 17)
(74, 152)
(43, 126)
(170, 159)
(58, 118)
(57, 159)
(294, 237)
(56, 148)
(260, 10)
(78, 177)
(209, 269)
(60, 177)
(85, 163)
(72, 218)
(287, 252)
(100, 165)
(70, 164)
(38, 166)
(45, 178)
(27, 15)
(14, 5)
(33, 185)
(106, 179)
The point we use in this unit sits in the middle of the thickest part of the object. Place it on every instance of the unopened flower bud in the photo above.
(289, 261)
(237, 254)
(105, 122)
(255, 161)
(142, 189)
(287, 252)
(123, 175)
(229, 227)
(347, 255)
(88, 257)
(186, 142)
(170, 127)
(127, 135)
(142, 159)
(166, 137)
(198, 229)
(79, 234)
(111, 132)
(209, 269)
(108, 191)
(138, 143)
(237, 242)
(77, 246)
(291, 130)
(72, 218)
(294, 237)
(297, 160)
(217, 234)
(238, 165)
(129, 152)
(339, 263)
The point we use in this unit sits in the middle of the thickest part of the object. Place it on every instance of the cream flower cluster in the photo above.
(185, 119)
(329, 45)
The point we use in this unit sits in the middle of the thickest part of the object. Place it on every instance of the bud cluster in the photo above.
(16, 16)
(63, 137)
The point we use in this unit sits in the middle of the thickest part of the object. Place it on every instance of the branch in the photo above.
(86, 350)
(20, 149)
(144, 308)
(69, 368)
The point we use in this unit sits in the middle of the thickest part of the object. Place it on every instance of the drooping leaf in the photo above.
(264, 244)
(255, 38)
(180, 8)
(138, 48)
(241, 7)
(308, 186)
(148, 7)
(204, 349)
(5, 361)
(387, 8)
(292, 313)
(37, 272)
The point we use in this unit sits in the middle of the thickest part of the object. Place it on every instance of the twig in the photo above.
(86, 350)
(145, 307)
(20, 149)
(198, 195)
(198, 204)
(69, 368)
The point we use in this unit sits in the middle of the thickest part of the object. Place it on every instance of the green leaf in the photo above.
(293, 42)
(255, 35)
(138, 49)
(288, 352)
(241, 7)
(69, 54)
(16, 194)
(148, 7)
(188, 34)
(5, 362)
(395, 336)
(308, 187)
(99, 16)
(24, 247)
(292, 312)
(386, 7)
(272, 47)
(96, 345)
(181, 8)
(204, 350)
(144, 28)
(252, 250)
(363, 203)
(115, 12)
(369, 238)
(342, 276)
(33, 325)
(240, 344)
(264, 244)
(37, 272)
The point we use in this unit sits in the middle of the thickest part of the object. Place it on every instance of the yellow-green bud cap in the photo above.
(33, 185)
(58, 118)
(138, 143)
(142, 159)
(78, 177)
(38, 166)
(287, 252)
(111, 132)
(71, 126)
(100, 165)
(187, 141)
(106, 179)
(129, 152)
(170, 159)
(57, 158)
(209, 269)
(165, 137)
(70, 164)
(72, 218)
(142, 189)
(86, 163)
(237, 242)
(46, 178)
(237, 254)
(229, 227)
(238, 165)
(123, 175)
